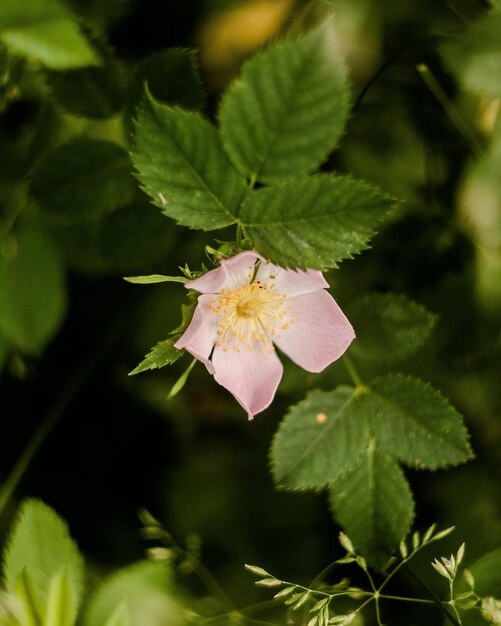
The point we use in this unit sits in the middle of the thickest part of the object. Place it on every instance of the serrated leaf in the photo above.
(62, 601)
(288, 109)
(475, 55)
(172, 77)
(314, 222)
(414, 422)
(373, 502)
(183, 168)
(41, 546)
(155, 278)
(162, 354)
(46, 31)
(310, 453)
(388, 326)
(82, 180)
(32, 289)
(143, 592)
(92, 92)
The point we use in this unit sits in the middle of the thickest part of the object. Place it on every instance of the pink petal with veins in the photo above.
(252, 376)
(291, 282)
(231, 274)
(318, 334)
(201, 335)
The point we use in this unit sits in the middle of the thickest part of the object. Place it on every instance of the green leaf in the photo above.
(41, 546)
(475, 55)
(162, 354)
(486, 572)
(82, 180)
(28, 599)
(93, 92)
(120, 616)
(155, 278)
(141, 591)
(388, 326)
(288, 110)
(373, 502)
(315, 222)
(181, 381)
(32, 289)
(62, 602)
(172, 77)
(182, 166)
(46, 31)
(414, 422)
(317, 440)
(131, 239)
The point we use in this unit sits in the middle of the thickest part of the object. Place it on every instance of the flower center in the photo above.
(250, 314)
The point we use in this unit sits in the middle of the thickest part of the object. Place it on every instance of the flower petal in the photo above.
(252, 376)
(318, 334)
(231, 274)
(291, 282)
(201, 335)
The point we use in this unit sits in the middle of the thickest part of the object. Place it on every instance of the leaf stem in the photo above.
(352, 371)
(449, 108)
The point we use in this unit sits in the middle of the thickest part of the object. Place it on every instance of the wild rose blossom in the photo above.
(248, 307)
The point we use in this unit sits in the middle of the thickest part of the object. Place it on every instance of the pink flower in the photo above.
(246, 306)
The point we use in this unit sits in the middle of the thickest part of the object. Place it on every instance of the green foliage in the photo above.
(82, 180)
(349, 437)
(388, 326)
(314, 222)
(162, 354)
(93, 92)
(414, 422)
(135, 596)
(46, 31)
(288, 110)
(62, 601)
(475, 56)
(318, 440)
(155, 278)
(119, 242)
(486, 572)
(32, 291)
(42, 561)
(373, 502)
(183, 168)
(172, 78)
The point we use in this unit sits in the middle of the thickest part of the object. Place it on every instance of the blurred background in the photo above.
(424, 127)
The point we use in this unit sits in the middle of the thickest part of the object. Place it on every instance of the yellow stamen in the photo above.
(250, 314)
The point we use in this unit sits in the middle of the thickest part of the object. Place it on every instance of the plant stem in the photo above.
(352, 371)
(449, 108)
